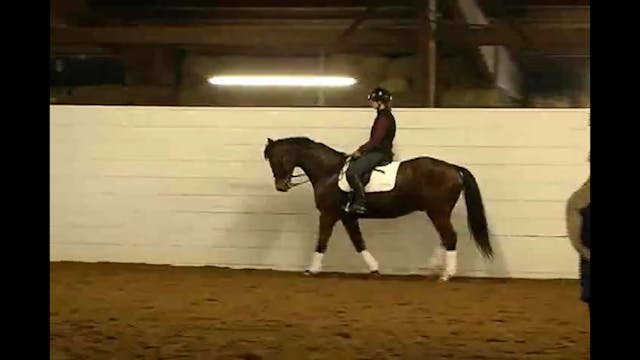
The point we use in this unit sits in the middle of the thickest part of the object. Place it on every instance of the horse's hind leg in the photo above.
(437, 260)
(325, 229)
(449, 239)
(353, 229)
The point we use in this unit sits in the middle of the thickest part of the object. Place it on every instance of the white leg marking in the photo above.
(370, 260)
(451, 265)
(437, 260)
(316, 263)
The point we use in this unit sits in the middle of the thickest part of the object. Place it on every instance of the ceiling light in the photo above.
(293, 81)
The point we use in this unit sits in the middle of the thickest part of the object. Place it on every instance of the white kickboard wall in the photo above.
(189, 186)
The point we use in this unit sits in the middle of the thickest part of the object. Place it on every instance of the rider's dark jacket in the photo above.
(382, 134)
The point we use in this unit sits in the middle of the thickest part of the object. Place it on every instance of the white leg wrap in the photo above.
(316, 263)
(370, 260)
(452, 263)
(437, 260)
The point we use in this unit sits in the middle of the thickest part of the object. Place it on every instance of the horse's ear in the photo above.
(269, 142)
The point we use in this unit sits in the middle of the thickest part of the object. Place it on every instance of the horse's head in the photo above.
(315, 159)
(282, 161)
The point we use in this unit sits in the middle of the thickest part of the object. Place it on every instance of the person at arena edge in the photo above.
(378, 149)
(578, 214)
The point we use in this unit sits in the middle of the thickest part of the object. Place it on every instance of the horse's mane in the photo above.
(303, 143)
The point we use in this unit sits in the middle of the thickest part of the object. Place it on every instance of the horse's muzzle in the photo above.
(283, 185)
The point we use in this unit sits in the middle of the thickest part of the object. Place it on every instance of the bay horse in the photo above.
(421, 184)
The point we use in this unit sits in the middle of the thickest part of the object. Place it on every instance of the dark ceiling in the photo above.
(542, 35)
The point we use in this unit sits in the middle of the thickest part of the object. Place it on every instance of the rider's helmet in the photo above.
(380, 94)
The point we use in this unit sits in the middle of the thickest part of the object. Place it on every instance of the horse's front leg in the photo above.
(325, 230)
(353, 229)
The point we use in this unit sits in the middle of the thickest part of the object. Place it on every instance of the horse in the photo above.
(418, 184)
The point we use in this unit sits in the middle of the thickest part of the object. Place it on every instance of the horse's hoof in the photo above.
(375, 273)
(309, 273)
(444, 279)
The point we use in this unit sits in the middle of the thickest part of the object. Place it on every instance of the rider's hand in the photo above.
(356, 154)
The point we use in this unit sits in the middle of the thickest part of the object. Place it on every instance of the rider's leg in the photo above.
(358, 167)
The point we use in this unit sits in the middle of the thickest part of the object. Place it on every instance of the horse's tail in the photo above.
(476, 218)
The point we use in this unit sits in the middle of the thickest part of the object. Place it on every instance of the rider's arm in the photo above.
(578, 200)
(380, 127)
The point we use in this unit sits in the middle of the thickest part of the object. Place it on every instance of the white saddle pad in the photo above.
(383, 178)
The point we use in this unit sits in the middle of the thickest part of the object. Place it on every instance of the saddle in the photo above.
(366, 177)
(380, 179)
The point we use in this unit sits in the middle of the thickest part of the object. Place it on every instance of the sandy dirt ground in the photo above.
(125, 311)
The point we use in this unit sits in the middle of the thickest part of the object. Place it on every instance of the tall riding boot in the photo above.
(358, 204)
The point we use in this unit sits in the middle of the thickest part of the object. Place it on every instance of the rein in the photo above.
(292, 185)
(348, 160)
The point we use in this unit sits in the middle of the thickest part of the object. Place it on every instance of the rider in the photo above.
(378, 149)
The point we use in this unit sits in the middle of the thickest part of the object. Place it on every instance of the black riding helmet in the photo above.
(380, 94)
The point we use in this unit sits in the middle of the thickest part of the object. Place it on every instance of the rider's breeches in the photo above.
(363, 164)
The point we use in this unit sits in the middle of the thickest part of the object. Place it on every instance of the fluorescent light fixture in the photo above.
(294, 81)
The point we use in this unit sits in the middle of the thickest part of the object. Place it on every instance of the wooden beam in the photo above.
(426, 55)
(535, 3)
(210, 35)
(317, 36)
(340, 41)
(199, 15)
(501, 33)
(250, 3)
(300, 50)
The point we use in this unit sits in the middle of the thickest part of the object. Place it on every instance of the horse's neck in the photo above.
(319, 167)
